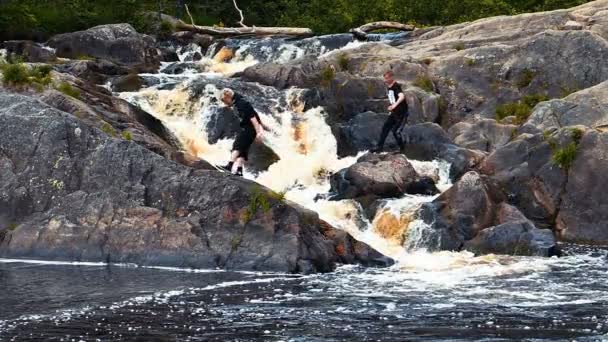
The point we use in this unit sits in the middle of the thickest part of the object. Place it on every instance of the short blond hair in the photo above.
(227, 91)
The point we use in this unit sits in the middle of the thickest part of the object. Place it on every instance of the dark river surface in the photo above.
(441, 296)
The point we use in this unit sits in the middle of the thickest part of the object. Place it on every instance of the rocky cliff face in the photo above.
(71, 192)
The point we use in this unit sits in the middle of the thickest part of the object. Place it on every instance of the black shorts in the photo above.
(243, 142)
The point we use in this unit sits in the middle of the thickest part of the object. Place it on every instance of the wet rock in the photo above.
(361, 133)
(383, 175)
(131, 82)
(525, 170)
(189, 37)
(518, 238)
(98, 108)
(351, 251)
(583, 217)
(223, 123)
(31, 52)
(484, 135)
(118, 43)
(94, 71)
(74, 193)
(422, 186)
(181, 67)
(588, 107)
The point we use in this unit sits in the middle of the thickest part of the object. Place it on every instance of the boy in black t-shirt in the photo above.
(398, 112)
(251, 129)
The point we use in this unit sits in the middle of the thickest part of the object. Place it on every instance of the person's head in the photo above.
(389, 78)
(227, 96)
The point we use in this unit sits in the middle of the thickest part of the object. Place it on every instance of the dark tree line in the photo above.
(40, 19)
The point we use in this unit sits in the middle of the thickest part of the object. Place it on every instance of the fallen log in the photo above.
(239, 31)
(362, 31)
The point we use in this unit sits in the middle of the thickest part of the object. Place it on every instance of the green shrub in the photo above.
(521, 111)
(236, 242)
(12, 226)
(577, 134)
(127, 135)
(459, 46)
(165, 28)
(257, 200)
(14, 74)
(343, 61)
(67, 89)
(85, 58)
(532, 100)
(525, 78)
(108, 129)
(564, 157)
(425, 83)
(328, 74)
(470, 61)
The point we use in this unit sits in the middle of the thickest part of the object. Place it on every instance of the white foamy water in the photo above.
(308, 155)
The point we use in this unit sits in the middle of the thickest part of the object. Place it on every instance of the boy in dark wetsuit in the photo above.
(251, 129)
(398, 112)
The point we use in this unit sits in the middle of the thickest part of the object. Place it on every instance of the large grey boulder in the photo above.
(70, 192)
(118, 43)
(30, 51)
(484, 135)
(517, 238)
(588, 107)
(583, 215)
(381, 175)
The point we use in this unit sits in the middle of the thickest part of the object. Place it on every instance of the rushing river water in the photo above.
(432, 296)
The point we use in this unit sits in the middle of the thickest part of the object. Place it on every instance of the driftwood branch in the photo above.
(240, 13)
(240, 31)
(362, 31)
(190, 15)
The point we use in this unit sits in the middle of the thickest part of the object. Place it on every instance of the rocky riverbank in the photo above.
(516, 105)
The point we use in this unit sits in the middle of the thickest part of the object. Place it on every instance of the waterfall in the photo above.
(301, 138)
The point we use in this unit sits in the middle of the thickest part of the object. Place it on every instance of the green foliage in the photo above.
(532, 100)
(425, 83)
(577, 134)
(470, 62)
(521, 111)
(278, 196)
(257, 200)
(458, 46)
(19, 75)
(27, 19)
(525, 78)
(166, 28)
(343, 61)
(127, 135)
(564, 157)
(12, 226)
(67, 89)
(14, 74)
(328, 74)
(235, 242)
(108, 129)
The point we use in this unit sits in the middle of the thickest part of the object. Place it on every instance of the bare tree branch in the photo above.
(240, 12)
(240, 31)
(190, 15)
(362, 31)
